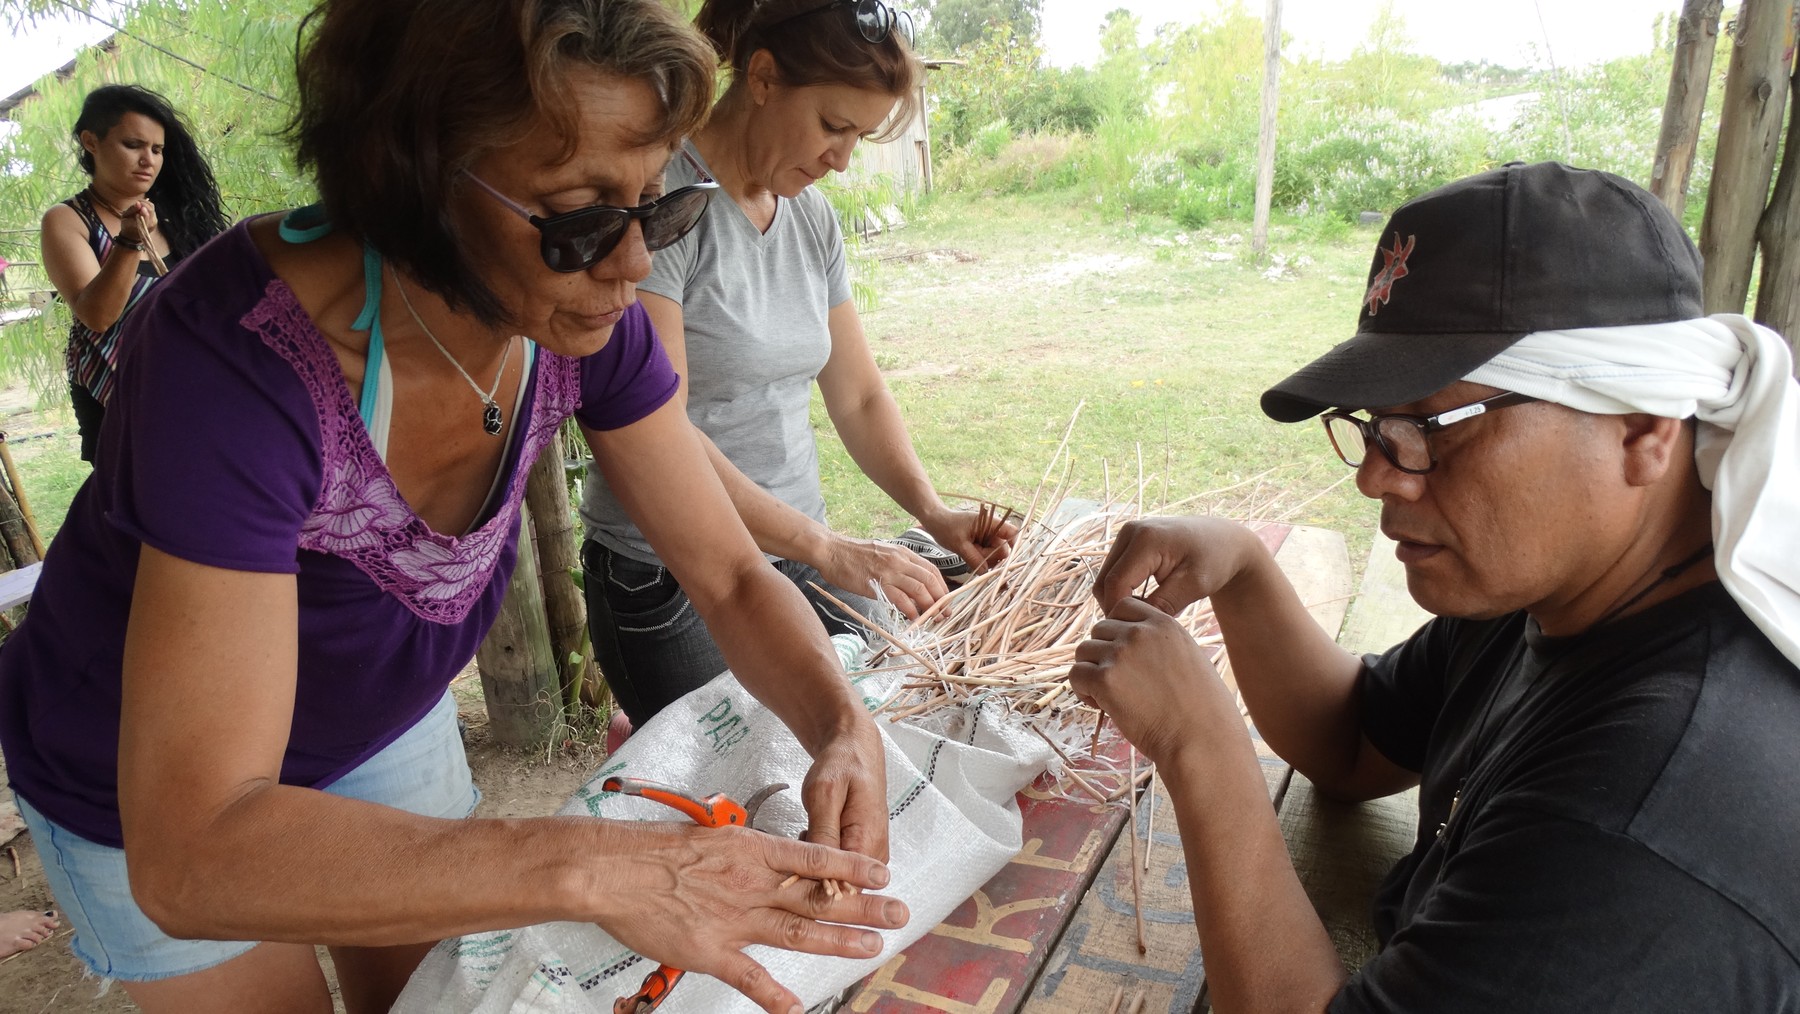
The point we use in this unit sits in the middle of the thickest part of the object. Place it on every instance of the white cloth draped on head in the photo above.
(1737, 378)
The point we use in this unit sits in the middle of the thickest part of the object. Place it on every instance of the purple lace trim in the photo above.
(360, 515)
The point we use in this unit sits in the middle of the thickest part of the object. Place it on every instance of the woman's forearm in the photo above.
(875, 435)
(775, 645)
(358, 874)
(103, 300)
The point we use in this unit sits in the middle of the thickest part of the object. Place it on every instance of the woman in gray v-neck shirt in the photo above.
(754, 306)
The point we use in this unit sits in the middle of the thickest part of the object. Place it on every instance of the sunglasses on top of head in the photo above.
(875, 21)
(578, 240)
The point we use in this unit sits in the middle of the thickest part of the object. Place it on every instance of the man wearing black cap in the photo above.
(1596, 489)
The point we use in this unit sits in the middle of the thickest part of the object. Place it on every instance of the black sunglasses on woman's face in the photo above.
(578, 240)
(874, 19)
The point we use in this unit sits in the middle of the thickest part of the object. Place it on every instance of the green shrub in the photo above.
(1375, 161)
(1035, 163)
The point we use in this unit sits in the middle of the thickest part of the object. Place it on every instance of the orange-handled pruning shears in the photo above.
(715, 810)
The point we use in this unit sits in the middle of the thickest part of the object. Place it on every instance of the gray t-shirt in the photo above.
(755, 309)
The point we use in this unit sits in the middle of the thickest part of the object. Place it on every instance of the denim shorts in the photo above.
(423, 772)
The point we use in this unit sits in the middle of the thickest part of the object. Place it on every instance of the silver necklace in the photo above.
(491, 419)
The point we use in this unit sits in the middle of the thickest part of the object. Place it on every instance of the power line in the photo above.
(202, 68)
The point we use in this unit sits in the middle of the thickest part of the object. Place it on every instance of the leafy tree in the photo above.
(1124, 76)
(227, 69)
(957, 25)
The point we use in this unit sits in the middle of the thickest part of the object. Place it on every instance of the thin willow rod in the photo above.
(1302, 505)
(1068, 431)
(1137, 894)
(1069, 768)
(1150, 822)
(876, 627)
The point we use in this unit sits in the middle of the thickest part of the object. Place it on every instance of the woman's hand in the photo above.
(137, 222)
(1150, 676)
(845, 792)
(1191, 558)
(955, 531)
(711, 892)
(909, 581)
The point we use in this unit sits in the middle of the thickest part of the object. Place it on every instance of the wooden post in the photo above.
(1749, 130)
(558, 552)
(1778, 297)
(1695, 39)
(519, 676)
(1265, 147)
(15, 540)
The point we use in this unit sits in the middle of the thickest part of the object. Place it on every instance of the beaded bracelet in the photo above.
(129, 244)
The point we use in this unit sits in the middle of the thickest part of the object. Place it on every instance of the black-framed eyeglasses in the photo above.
(578, 240)
(874, 19)
(1402, 438)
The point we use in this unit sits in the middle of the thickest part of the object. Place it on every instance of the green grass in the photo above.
(998, 316)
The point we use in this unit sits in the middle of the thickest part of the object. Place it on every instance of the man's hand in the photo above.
(1154, 681)
(1191, 558)
(909, 581)
(845, 792)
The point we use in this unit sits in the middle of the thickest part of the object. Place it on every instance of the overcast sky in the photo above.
(1503, 31)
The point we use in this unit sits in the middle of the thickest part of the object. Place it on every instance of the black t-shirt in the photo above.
(1628, 832)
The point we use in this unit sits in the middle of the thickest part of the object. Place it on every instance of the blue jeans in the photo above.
(652, 646)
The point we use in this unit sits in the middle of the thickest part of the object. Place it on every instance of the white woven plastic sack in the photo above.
(954, 823)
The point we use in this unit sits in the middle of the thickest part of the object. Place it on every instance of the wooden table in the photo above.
(1056, 929)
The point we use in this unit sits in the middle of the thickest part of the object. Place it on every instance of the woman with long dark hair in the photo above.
(151, 202)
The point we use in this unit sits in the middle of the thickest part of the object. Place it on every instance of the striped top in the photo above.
(92, 355)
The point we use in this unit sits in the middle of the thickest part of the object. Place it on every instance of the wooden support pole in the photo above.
(1696, 38)
(17, 526)
(1778, 297)
(558, 555)
(1749, 130)
(519, 677)
(1265, 146)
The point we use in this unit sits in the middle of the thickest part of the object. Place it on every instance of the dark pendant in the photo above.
(490, 419)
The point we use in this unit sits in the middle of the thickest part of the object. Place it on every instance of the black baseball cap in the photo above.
(1468, 269)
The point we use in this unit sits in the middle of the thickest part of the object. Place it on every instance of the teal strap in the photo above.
(370, 320)
(303, 225)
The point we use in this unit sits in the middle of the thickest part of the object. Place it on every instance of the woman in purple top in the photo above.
(226, 717)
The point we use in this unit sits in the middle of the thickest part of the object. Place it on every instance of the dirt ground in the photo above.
(49, 978)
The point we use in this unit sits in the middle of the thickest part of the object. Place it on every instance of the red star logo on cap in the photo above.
(1391, 271)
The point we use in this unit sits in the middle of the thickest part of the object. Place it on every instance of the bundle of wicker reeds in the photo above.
(1008, 635)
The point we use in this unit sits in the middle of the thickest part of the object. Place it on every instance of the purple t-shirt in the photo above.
(234, 441)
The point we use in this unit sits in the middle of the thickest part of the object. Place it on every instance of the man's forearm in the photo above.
(1264, 946)
(1299, 685)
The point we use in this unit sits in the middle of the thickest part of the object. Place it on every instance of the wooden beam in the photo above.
(1265, 148)
(558, 555)
(1749, 130)
(1696, 38)
(519, 677)
(1778, 297)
